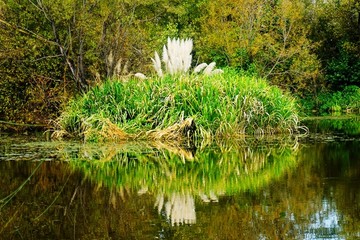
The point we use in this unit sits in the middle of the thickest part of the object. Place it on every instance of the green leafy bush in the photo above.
(347, 100)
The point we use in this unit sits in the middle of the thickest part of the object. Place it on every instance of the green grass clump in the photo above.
(171, 107)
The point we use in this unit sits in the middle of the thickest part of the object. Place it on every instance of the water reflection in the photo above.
(176, 175)
(337, 167)
(179, 208)
(347, 125)
(326, 223)
(253, 189)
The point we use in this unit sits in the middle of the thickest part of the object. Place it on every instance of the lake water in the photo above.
(298, 187)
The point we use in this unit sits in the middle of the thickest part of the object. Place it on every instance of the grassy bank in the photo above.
(345, 101)
(224, 105)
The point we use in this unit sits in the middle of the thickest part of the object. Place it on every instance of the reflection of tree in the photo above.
(342, 161)
(80, 211)
(348, 125)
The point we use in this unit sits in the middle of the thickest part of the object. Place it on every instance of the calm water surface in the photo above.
(256, 188)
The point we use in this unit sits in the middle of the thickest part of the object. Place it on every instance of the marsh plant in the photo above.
(177, 58)
(177, 104)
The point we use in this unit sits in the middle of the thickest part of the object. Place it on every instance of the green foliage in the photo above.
(343, 70)
(264, 37)
(347, 100)
(335, 26)
(220, 105)
(28, 93)
(52, 50)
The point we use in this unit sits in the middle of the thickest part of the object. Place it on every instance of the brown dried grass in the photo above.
(178, 131)
(108, 131)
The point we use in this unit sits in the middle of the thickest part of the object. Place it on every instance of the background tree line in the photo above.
(50, 50)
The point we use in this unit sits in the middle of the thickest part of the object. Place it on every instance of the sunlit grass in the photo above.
(197, 106)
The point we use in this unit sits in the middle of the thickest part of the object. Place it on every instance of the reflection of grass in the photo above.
(349, 125)
(234, 168)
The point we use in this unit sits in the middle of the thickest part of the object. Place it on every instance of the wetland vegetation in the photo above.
(199, 106)
(170, 151)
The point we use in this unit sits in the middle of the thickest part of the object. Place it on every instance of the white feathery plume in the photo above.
(140, 76)
(171, 68)
(110, 58)
(159, 202)
(177, 58)
(117, 68)
(143, 190)
(217, 71)
(187, 57)
(181, 55)
(200, 67)
(157, 64)
(165, 58)
(213, 197)
(204, 197)
(209, 68)
(168, 209)
(173, 47)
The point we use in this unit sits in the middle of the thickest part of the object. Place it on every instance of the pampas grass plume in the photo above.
(209, 68)
(217, 71)
(200, 67)
(177, 58)
(140, 76)
(157, 64)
